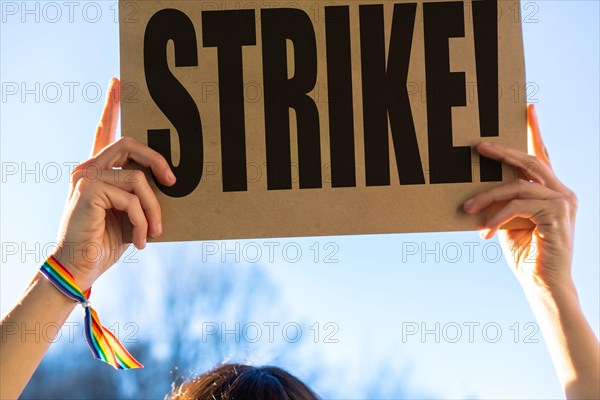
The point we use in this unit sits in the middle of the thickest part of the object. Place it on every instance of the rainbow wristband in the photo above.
(104, 345)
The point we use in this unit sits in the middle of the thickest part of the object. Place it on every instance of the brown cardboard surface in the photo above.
(209, 213)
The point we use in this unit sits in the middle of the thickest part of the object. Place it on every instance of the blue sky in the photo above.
(377, 290)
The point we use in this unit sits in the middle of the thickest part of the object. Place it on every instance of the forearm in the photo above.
(21, 351)
(573, 346)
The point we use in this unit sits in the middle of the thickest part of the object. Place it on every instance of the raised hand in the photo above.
(102, 194)
(541, 255)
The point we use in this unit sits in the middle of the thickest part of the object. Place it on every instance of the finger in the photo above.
(534, 134)
(509, 191)
(108, 197)
(530, 165)
(126, 148)
(107, 127)
(517, 208)
(134, 181)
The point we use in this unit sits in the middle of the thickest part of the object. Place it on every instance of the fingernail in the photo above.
(170, 176)
(484, 233)
(159, 228)
(468, 203)
(486, 144)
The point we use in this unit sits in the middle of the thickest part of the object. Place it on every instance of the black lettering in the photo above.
(229, 31)
(445, 89)
(172, 98)
(281, 94)
(385, 95)
(339, 86)
(485, 26)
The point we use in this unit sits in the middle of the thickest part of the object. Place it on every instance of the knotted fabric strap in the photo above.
(104, 345)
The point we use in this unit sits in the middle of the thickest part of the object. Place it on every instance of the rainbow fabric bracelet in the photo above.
(104, 345)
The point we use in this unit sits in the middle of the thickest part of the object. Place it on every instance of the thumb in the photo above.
(107, 127)
(535, 143)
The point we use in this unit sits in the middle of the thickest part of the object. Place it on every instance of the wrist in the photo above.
(546, 281)
(51, 294)
(557, 295)
(83, 280)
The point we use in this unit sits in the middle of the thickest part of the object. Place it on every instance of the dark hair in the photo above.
(243, 382)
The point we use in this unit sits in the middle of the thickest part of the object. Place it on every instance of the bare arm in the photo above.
(572, 344)
(99, 198)
(40, 309)
(541, 258)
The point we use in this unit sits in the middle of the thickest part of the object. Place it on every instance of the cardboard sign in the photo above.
(312, 118)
